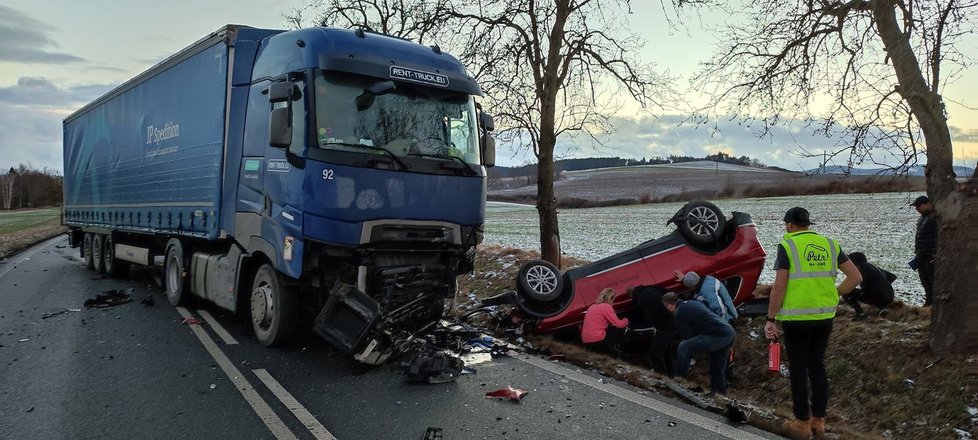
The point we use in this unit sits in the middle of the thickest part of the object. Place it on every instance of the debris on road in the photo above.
(148, 301)
(24, 340)
(190, 321)
(31, 409)
(108, 298)
(433, 433)
(514, 394)
(433, 368)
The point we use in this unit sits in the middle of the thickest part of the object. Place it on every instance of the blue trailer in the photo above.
(327, 173)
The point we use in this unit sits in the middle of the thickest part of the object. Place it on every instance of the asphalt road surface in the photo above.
(138, 371)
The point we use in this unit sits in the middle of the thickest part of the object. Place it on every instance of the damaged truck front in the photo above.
(339, 173)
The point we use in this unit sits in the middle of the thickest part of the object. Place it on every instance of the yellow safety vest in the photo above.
(814, 263)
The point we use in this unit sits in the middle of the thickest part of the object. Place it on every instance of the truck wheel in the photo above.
(87, 250)
(113, 267)
(98, 263)
(702, 223)
(174, 274)
(274, 312)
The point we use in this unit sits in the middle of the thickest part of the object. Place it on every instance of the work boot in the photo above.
(799, 429)
(818, 427)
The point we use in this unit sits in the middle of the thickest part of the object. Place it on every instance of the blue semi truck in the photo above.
(329, 176)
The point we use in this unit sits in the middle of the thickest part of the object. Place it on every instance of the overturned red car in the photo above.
(704, 241)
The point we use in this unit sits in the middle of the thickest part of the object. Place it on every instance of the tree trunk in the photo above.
(956, 268)
(547, 199)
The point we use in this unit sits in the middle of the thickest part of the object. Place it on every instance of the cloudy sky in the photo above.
(57, 55)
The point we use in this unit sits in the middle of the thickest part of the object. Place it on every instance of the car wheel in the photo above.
(702, 223)
(541, 290)
(174, 274)
(112, 266)
(274, 311)
(540, 280)
(98, 262)
(87, 250)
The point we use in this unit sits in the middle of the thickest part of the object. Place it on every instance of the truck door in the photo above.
(282, 190)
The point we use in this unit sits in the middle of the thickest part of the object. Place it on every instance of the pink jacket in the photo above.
(596, 321)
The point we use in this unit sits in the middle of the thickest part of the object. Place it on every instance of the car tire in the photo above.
(274, 308)
(175, 283)
(98, 253)
(114, 268)
(541, 290)
(540, 280)
(86, 250)
(702, 223)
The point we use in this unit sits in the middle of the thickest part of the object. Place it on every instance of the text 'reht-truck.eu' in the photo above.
(333, 171)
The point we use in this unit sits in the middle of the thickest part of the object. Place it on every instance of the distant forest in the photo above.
(26, 187)
(607, 162)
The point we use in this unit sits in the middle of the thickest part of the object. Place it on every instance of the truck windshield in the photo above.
(406, 121)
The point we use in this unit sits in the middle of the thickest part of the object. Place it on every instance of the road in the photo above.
(138, 371)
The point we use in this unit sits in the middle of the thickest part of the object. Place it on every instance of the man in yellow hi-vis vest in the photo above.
(804, 298)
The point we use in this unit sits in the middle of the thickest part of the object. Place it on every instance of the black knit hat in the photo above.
(797, 216)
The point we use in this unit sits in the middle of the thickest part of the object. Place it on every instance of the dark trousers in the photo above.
(925, 269)
(806, 342)
(612, 342)
(875, 299)
(719, 349)
(662, 355)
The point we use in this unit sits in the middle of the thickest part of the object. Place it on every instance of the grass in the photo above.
(13, 221)
(22, 228)
(885, 382)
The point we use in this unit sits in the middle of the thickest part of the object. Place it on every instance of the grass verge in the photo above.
(21, 229)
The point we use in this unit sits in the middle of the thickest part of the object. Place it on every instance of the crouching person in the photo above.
(702, 331)
(601, 328)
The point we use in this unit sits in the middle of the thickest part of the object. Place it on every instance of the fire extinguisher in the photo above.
(774, 357)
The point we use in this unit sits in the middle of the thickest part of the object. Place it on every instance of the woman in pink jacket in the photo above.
(602, 328)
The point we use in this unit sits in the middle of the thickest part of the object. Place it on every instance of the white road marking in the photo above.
(648, 402)
(265, 412)
(228, 339)
(318, 430)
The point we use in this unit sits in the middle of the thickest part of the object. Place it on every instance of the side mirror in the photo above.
(488, 123)
(280, 127)
(488, 151)
(280, 92)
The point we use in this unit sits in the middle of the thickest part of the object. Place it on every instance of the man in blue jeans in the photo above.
(702, 331)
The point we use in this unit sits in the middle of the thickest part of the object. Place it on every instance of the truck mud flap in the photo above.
(347, 317)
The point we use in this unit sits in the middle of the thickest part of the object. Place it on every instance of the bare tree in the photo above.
(870, 72)
(8, 184)
(547, 68)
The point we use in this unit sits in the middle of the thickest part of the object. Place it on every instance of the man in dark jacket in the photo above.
(925, 245)
(701, 331)
(876, 289)
(652, 313)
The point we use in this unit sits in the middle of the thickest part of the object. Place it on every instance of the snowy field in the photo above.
(880, 225)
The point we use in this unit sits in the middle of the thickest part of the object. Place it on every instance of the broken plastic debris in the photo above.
(213, 386)
(436, 367)
(108, 298)
(191, 321)
(909, 383)
(468, 370)
(671, 424)
(24, 340)
(514, 394)
(432, 433)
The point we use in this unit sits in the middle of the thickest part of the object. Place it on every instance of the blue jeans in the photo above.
(719, 349)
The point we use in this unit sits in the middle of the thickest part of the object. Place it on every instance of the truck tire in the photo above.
(175, 274)
(113, 267)
(274, 308)
(702, 223)
(86, 250)
(98, 260)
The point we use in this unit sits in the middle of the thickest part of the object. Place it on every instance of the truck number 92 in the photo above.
(327, 174)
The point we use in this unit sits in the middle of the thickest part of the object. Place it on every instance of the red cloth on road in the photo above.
(596, 322)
